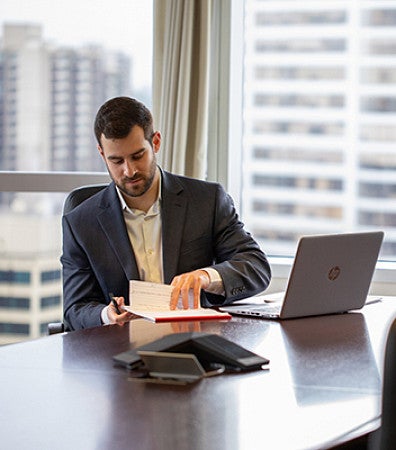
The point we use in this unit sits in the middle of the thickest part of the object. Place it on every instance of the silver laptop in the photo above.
(330, 274)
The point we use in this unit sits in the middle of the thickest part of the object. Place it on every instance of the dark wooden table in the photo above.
(323, 385)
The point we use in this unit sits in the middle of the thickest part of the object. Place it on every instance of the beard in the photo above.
(127, 187)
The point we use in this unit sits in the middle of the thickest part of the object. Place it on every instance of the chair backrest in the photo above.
(78, 195)
(384, 438)
(387, 439)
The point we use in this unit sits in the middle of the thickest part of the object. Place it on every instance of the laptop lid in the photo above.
(330, 274)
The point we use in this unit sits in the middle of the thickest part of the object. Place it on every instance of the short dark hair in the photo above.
(116, 118)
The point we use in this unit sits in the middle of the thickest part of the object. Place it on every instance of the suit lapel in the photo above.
(173, 211)
(111, 220)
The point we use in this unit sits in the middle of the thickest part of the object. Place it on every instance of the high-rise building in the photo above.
(24, 99)
(81, 80)
(48, 100)
(30, 276)
(319, 120)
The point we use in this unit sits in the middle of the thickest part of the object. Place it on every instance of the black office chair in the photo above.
(385, 437)
(75, 197)
(78, 195)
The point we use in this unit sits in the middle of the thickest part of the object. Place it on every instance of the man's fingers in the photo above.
(116, 313)
(197, 293)
(175, 295)
(185, 285)
(184, 296)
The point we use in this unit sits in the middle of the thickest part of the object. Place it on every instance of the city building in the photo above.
(30, 276)
(320, 108)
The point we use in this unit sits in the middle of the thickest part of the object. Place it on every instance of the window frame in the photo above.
(48, 181)
(225, 139)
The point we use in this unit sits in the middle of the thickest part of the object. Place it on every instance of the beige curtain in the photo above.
(181, 83)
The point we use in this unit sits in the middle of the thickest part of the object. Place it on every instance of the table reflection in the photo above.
(333, 353)
(141, 332)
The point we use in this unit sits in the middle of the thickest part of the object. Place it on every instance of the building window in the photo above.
(15, 302)
(14, 277)
(14, 328)
(50, 275)
(48, 302)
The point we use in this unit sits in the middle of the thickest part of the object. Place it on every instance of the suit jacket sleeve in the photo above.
(82, 297)
(97, 259)
(239, 260)
(200, 228)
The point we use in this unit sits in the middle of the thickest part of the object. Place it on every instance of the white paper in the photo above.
(152, 301)
(146, 296)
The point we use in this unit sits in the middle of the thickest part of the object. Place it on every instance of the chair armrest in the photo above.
(56, 327)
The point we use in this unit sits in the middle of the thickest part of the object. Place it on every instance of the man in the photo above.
(149, 224)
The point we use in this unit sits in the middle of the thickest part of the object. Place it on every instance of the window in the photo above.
(59, 61)
(50, 275)
(318, 117)
(47, 302)
(14, 328)
(14, 277)
(14, 302)
(319, 141)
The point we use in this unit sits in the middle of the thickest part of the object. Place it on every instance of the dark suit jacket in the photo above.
(200, 228)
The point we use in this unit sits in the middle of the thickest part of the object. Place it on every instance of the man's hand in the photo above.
(182, 284)
(114, 317)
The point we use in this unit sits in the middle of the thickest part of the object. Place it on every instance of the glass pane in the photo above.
(59, 61)
(30, 270)
(319, 145)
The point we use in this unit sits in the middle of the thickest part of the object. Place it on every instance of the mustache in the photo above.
(137, 176)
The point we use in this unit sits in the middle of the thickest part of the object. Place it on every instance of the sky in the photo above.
(124, 25)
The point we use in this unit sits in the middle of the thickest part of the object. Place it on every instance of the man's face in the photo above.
(131, 161)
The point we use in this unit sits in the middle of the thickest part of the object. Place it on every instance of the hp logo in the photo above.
(334, 272)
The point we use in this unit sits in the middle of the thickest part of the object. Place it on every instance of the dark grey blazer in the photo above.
(200, 228)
